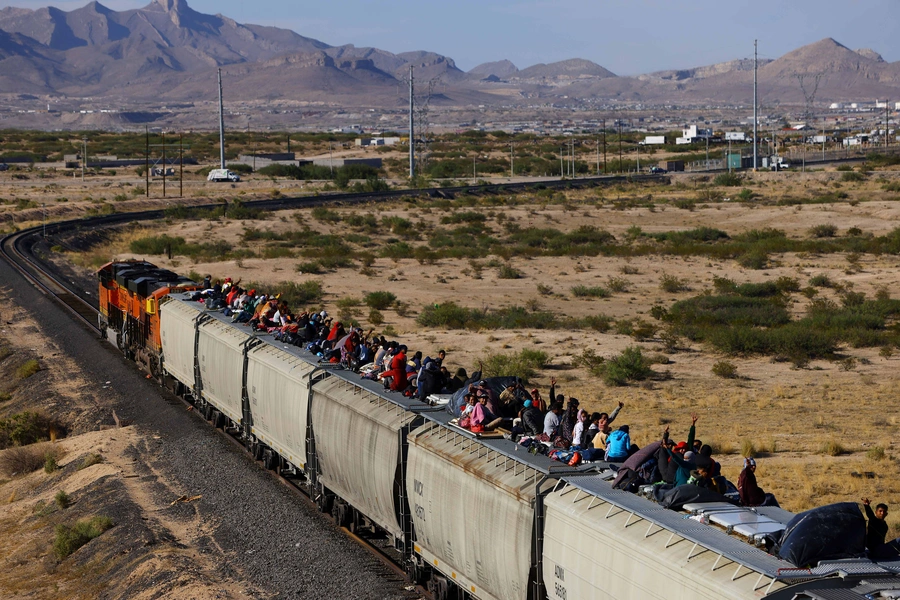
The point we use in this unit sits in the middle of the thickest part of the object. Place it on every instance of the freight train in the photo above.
(471, 516)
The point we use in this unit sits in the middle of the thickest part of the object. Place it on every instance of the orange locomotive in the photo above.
(129, 296)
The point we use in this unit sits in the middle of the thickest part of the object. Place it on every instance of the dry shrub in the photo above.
(832, 448)
(20, 460)
(748, 450)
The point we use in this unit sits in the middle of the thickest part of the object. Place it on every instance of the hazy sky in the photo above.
(626, 36)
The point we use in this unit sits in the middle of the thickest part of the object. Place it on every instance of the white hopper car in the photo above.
(475, 518)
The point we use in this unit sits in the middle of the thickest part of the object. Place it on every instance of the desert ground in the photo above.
(824, 430)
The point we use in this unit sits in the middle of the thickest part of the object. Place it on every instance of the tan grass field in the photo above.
(787, 414)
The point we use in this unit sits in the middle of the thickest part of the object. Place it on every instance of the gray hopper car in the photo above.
(474, 517)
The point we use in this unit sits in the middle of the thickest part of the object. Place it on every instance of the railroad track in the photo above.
(19, 250)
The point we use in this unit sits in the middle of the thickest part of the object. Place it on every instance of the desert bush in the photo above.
(90, 460)
(20, 460)
(823, 231)
(28, 368)
(50, 464)
(832, 448)
(630, 365)
(601, 323)
(755, 259)
(876, 453)
(299, 294)
(748, 450)
(310, 268)
(852, 176)
(379, 300)
(582, 291)
(509, 272)
(62, 499)
(725, 370)
(590, 360)
(375, 317)
(321, 213)
(728, 179)
(523, 364)
(617, 284)
(69, 539)
(821, 280)
(642, 330)
(26, 428)
(671, 284)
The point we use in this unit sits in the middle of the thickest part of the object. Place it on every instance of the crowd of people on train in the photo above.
(557, 427)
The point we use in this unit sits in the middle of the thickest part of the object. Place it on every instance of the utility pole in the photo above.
(412, 133)
(755, 106)
(619, 123)
(823, 142)
(887, 137)
(147, 161)
(83, 156)
(562, 173)
(728, 157)
(331, 161)
(598, 157)
(164, 163)
(638, 158)
(512, 170)
(604, 146)
(181, 165)
(707, 153)
(221, 125)
(474, 174)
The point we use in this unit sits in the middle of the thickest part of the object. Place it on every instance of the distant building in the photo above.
(836, 106)
(345, 162)
(693, 134)
(735, 136)
(880, 104)
(654, 140)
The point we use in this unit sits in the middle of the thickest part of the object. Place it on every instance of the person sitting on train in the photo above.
(395, 378)
(580, 427)
(429, 381)
(680, 459)
(510, 402)
(455, 383)
(750, 492)
(554, 397)
(537, 401)
(551, 419)
(483, 417)
(532, 419)
(563, 437)
(702, 476)
(715, 467)
(619, 446)
(469, 406)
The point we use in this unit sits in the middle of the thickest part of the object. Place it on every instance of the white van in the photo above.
(223, 175)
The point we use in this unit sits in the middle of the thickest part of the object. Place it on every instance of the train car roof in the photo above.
(410, 404)
(717, 540)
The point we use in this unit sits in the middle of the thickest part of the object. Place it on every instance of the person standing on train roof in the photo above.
(877, 528)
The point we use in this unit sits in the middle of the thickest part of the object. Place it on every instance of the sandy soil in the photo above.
(151, 551)
(787, 414)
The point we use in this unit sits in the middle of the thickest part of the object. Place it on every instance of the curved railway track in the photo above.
(19, 250)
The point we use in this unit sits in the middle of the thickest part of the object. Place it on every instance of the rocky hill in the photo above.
(166, 51)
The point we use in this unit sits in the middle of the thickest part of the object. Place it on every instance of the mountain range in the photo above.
(168, 52)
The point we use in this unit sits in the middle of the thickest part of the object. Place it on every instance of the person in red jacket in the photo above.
(395, 377)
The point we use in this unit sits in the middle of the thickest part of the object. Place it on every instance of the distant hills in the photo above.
(166, 51)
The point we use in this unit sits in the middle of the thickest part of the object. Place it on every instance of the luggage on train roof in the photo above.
(831, 532)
